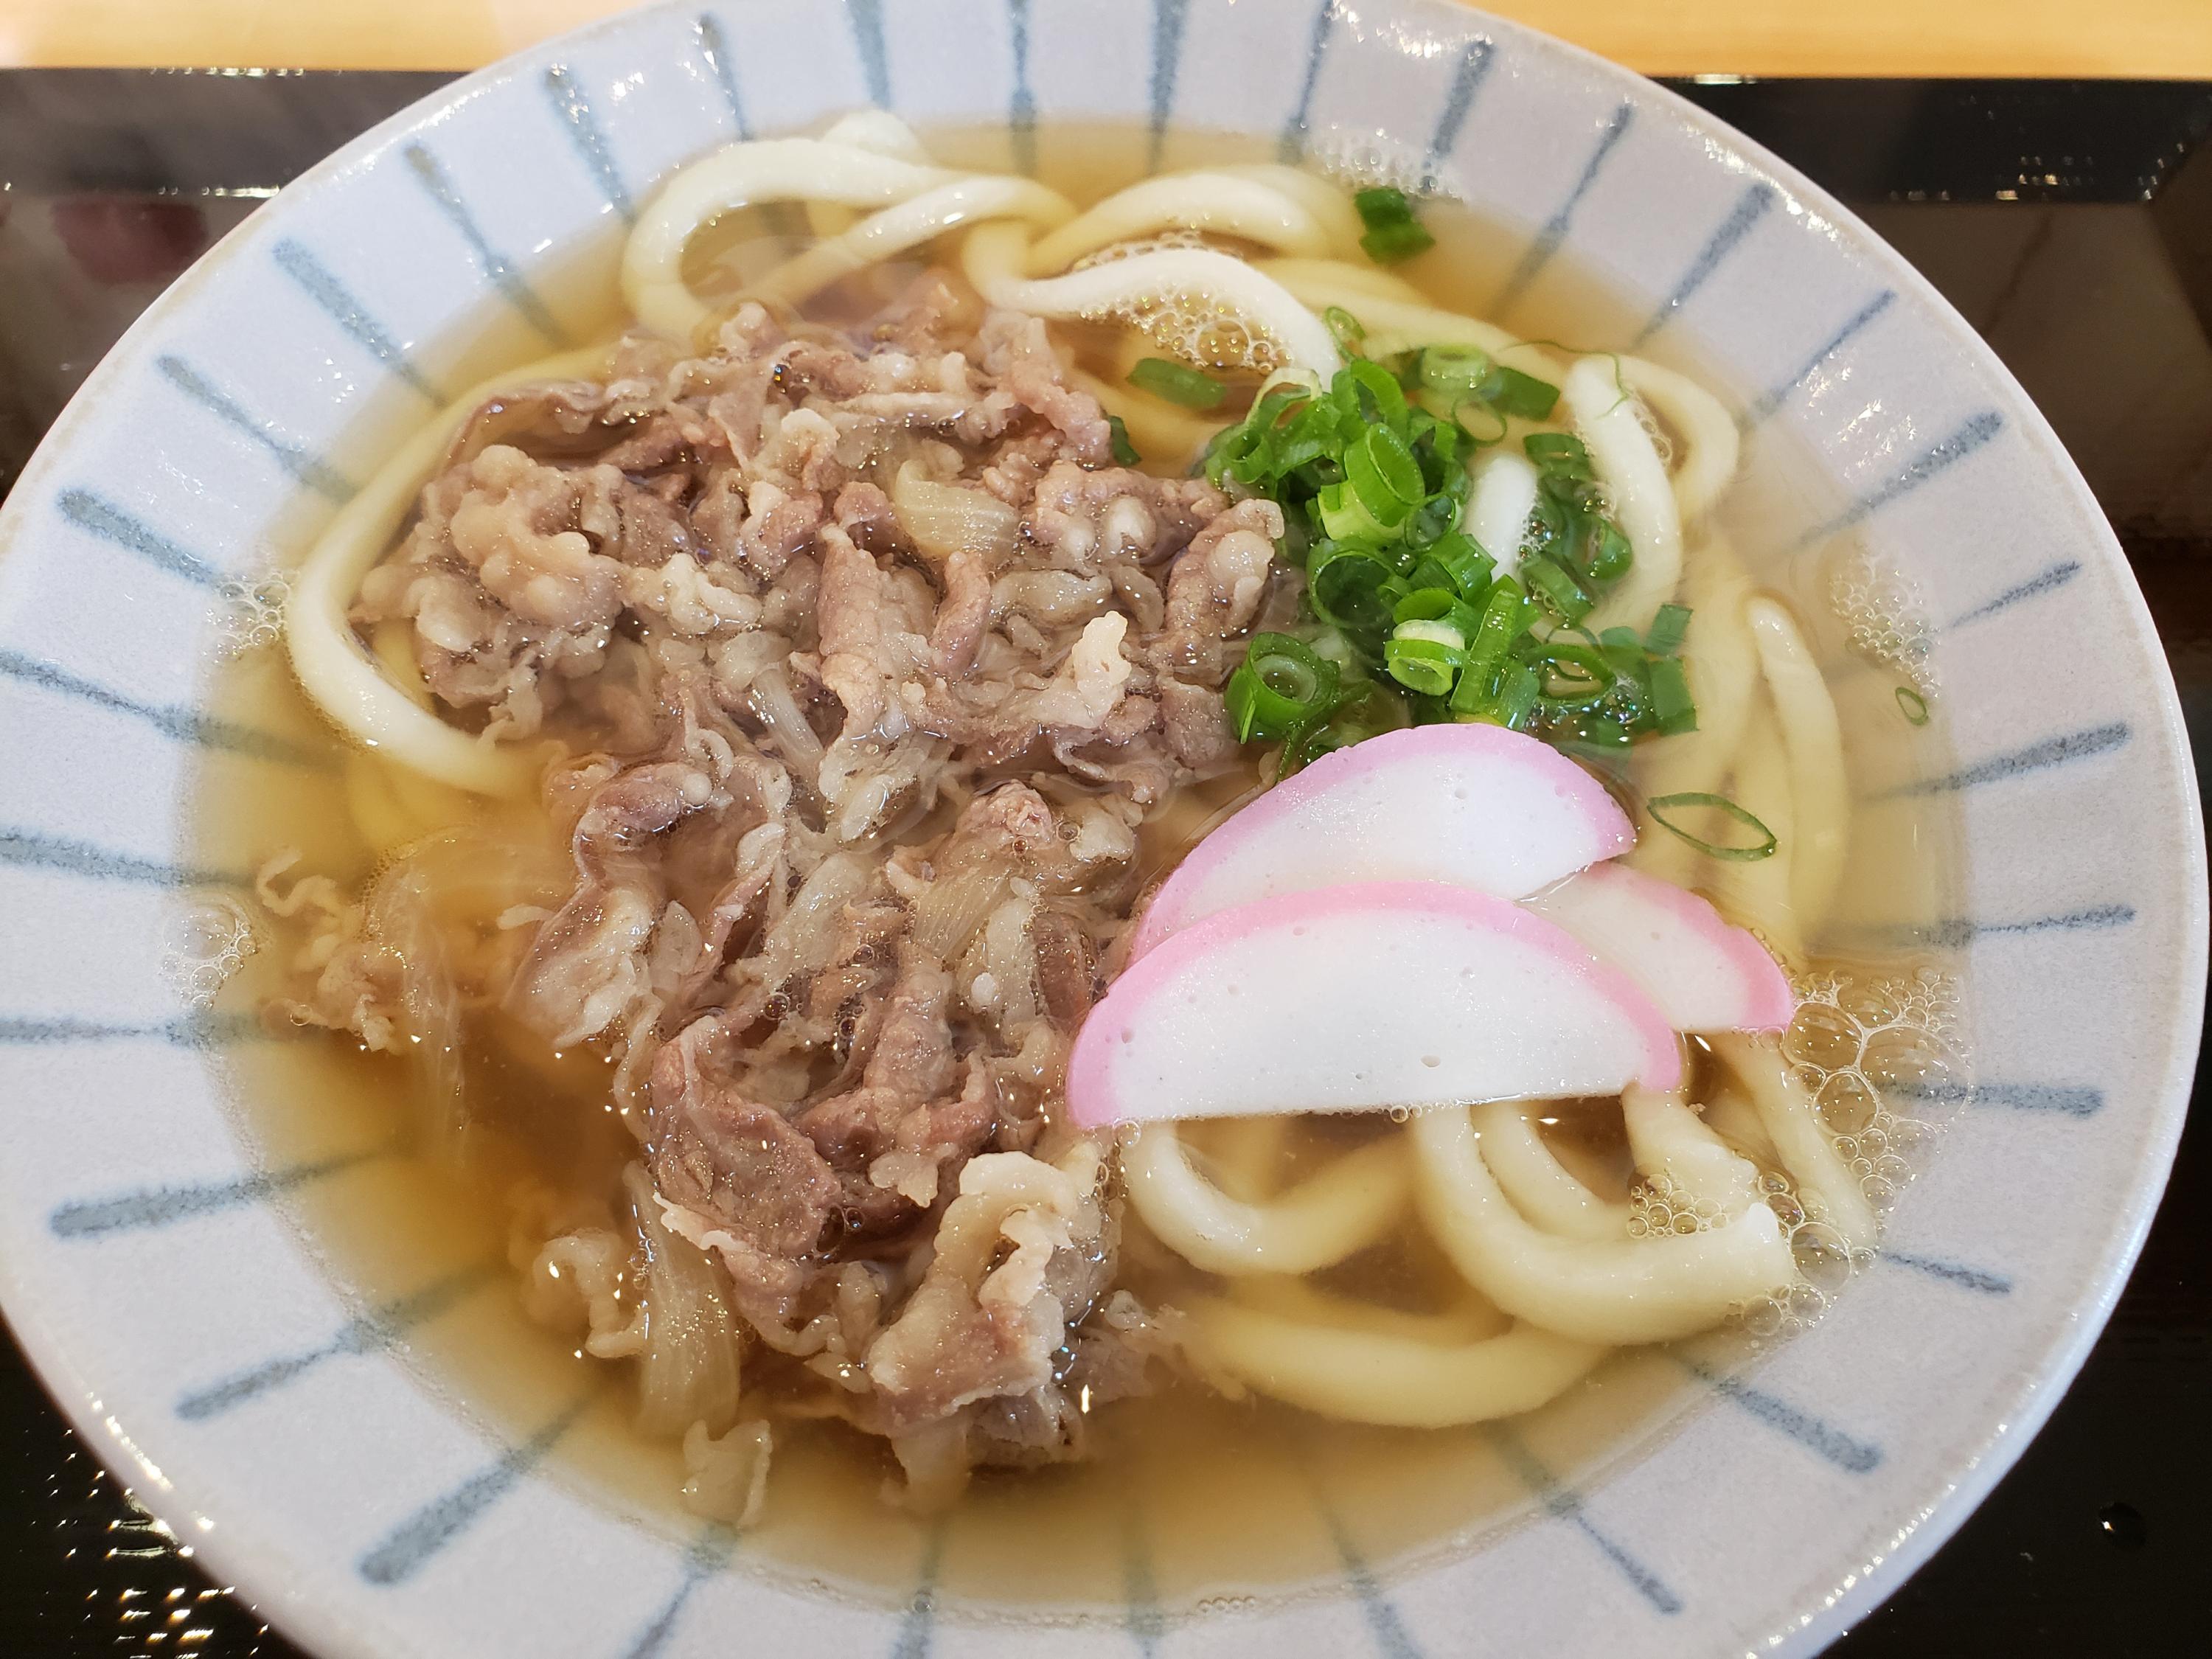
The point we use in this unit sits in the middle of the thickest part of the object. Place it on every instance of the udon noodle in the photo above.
(768, 722)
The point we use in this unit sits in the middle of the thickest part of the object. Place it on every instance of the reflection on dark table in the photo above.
(2071, 222)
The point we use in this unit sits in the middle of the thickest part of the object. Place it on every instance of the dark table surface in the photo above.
(2071, 222)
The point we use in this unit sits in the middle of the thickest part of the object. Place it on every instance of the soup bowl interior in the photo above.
(189, 1274)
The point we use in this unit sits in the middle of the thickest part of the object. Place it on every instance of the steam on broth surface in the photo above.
(895, 910)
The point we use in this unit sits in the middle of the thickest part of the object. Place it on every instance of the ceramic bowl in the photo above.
(150, 1256)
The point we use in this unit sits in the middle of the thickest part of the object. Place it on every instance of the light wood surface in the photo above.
(2154, 38)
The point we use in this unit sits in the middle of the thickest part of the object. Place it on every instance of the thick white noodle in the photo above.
(879, 132)
(1673, 1148)
(1341, 276)
(1246, 1154)
(1501, 503)
(1707, 444)
(1721, 664)
(909, 225)
(1215, 204)
(812, 170)
(1400, 1380)
(1398, 325)
(1730, 1115)
(1636, 488)
(1830, 1191)
(1647, 1290)
(1128, 287)
(345, 680)
(1331, 208)
(1540, 1187)
(1756, 892)
(1343, 1209)
(993, 253)
(1820, 798)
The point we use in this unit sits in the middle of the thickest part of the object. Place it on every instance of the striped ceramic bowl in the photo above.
(150, 1254)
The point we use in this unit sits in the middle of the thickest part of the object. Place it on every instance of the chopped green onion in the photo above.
(1361, 383)
(1382, 204)
(1347, 515)
(1382, 456)
(1345, 329)
(1588, 679)
(1125, 452)
(1504, 616)
(1424, 666)
(1427, 573)
(1609, 738)
(1453, 370)
(1558, 452)
(1425, 605)
(1431, 631)
(1913, 705)
(1763, 847)
(1610, 556)
(1282, 685)
(1352, 588)
(1560, 590)
(1371, 473)
(1672, 710)
(1177, 382)
(1393, 232)
(1392, 243)
(1511, 392)
(1668, 628)
(1511, 701)
(1517, 693)
(1462, 557)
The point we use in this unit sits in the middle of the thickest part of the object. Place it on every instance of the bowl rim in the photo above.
(322, 1625)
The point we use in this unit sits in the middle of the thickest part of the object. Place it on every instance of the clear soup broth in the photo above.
(1189, 1497)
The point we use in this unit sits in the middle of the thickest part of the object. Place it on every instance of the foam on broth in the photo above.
(1191, 1498)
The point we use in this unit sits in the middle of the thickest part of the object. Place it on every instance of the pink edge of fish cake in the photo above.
(1615, 834)
(1091, 1091)
(1770, 1002)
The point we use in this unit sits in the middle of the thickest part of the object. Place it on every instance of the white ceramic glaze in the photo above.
(146, 1256)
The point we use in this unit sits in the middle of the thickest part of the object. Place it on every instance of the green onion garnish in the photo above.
(1371, 473)
(1609, 555)
(1764, 847)
(1511, 392)
(1462, 558)
(1574, 679)
(1346, 328)
(1393, 232)
(1504, 618)
(1668, 629)
(1423, 664)
(1352, 588)
(1560, 590)
(1456, 371)
(1518, 693)
(1177, 382)
(1425, 605)
(1383, 469)
(1347, 514)
(1283, 686)
(1672, 711)
(1557, 452)
(1913, 705)
(1125, 452)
